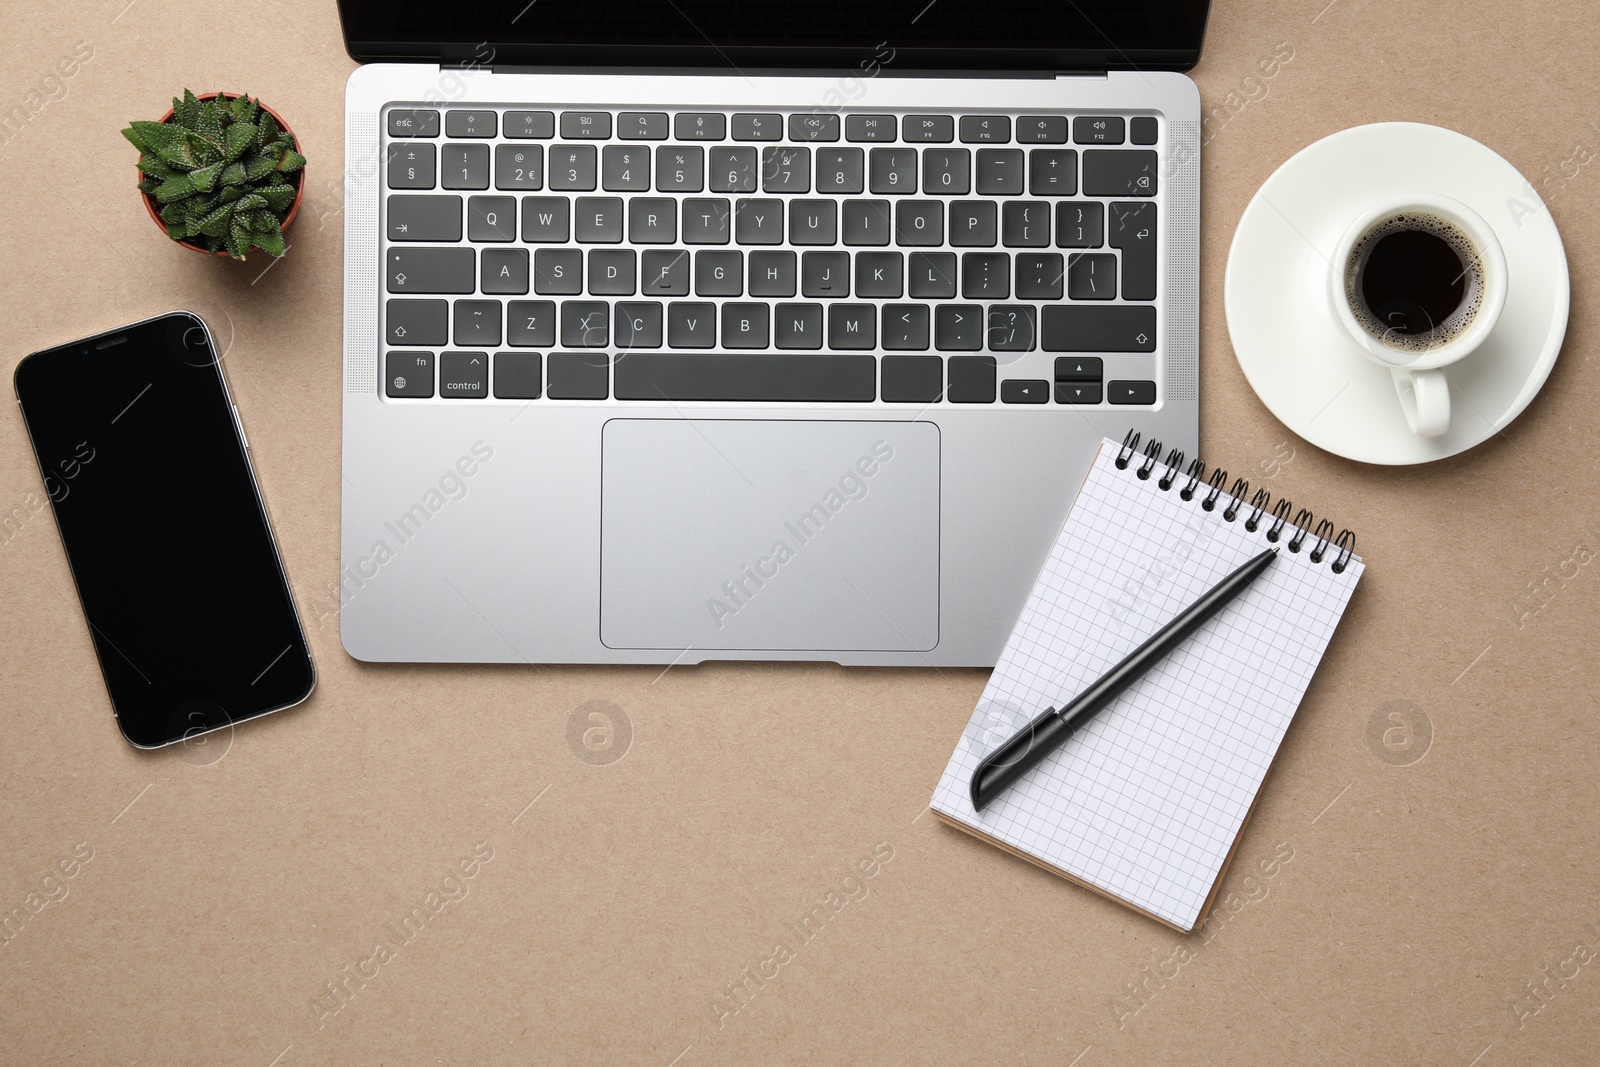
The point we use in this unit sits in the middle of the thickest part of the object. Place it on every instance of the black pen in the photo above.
(1028, 748)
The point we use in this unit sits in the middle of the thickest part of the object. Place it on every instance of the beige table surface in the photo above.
(1435, 901)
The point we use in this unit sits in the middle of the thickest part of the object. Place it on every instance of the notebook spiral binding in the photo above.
(1216, 486)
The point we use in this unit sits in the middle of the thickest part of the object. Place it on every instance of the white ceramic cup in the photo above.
(1419, 379)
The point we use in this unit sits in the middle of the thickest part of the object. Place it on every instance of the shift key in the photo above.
(431, 270)
(1106, 328)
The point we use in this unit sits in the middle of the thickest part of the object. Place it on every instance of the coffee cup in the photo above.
(1419, 282)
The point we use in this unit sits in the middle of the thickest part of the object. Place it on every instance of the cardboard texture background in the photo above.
(1432, 899)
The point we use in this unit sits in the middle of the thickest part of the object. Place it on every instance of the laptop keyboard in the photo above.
(783, 257)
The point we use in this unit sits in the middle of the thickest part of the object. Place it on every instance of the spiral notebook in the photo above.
(1146, 802)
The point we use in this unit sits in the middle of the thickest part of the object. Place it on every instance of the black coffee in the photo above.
(1414, 281)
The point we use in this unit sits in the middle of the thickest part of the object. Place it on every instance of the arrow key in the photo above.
(1079, 368)
(1132, 393)
(464, 375)
(1077, 392)
(1024, 391)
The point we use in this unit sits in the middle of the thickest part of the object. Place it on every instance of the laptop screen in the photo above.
(852, 34)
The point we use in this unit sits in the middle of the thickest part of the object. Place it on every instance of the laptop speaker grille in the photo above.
(362, 172)
(1183, 304)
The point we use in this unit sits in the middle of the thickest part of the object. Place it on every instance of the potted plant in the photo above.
(221, 174)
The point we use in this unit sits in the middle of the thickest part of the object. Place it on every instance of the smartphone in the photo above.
(149, 477)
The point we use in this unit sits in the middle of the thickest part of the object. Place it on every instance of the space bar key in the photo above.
(825, 378)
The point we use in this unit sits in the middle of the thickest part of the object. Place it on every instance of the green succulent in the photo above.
(223, 171)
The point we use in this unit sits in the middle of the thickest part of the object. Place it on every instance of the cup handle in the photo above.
(1425, 399)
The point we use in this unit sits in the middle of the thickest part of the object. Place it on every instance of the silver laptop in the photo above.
(707, 331)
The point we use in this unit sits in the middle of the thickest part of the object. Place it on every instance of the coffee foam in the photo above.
(1442, 333)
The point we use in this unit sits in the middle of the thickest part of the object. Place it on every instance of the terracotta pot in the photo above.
(298, 177)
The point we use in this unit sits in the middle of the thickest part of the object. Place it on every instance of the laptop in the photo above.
(683, 331)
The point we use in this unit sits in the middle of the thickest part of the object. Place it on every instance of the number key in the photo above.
(733, 170)
(625, 168)
(947, 172)
(465, 166)
(786, 170)
(680, 170)
(894, 170)
(518, 166)
(839, 170)
(572, 166)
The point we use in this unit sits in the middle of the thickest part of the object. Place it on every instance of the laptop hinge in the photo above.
(779, 72)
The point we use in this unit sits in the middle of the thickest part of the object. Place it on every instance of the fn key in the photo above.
(408, 374)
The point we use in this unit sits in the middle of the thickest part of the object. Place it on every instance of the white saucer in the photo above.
(1301, 362)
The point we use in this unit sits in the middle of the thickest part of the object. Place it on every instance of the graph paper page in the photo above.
(1146, 800)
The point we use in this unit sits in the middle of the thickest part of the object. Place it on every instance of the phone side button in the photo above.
(408, 374)
(239, 424)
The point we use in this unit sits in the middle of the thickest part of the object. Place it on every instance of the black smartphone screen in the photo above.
(168, 542)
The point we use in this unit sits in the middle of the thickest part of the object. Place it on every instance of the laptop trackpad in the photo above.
(789, 536)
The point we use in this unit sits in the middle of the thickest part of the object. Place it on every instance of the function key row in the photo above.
(806, 126)
(718, 377)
